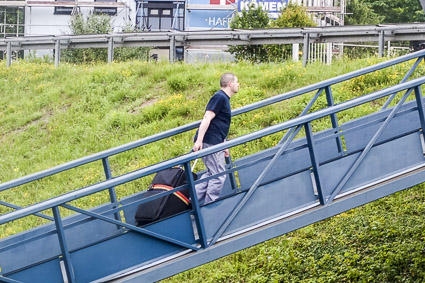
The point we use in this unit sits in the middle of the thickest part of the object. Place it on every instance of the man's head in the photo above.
(229, 83)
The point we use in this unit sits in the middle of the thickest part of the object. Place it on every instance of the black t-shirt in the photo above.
(219, 126)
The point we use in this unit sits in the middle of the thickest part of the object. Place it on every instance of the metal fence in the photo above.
(173, 39)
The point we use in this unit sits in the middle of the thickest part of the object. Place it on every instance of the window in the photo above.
(160, 15)
(64, 10)
(111, 11)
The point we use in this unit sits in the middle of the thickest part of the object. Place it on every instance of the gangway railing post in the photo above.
(112, 193)
(232, 177)
(314, 162)
(195, 206)
(420, 103)
(334, 119)
(64, 247)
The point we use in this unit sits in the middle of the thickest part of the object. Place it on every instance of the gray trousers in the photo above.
(210, 190)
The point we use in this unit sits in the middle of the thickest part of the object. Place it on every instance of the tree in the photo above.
(98, 24)
(93, 24)
(252, 19)
(291, 16)
(360, 13)
(406, 11)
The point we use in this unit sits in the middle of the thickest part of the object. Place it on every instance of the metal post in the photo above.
(420, 103)
(195, 206)
(112, 193)
(9, 54)
(295, 52)
(381, 43)
(64, 247)
(172, 48)
(306, 44)
(334, 119)
(110, 50)
(57, 53)
(232, 174)
(314, 161)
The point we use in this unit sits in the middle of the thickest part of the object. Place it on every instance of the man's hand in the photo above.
(197, 146)
(226, 152)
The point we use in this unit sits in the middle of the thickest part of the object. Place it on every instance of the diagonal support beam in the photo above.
(405, 78)
(131, 227)
(19, 207)
(253, 188)
(305, 111)
(366, 150)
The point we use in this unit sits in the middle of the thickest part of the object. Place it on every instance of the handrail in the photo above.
(193, 125)
(56, 201)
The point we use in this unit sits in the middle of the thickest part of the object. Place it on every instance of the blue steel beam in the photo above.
(334, 119)
(8, 280)
(407, 76)
(314, 162)
(112, 192)
(20, 207)
(195, 155)
(272, 230)
(131, 227)
(195, 205)
(254, 187)
(191, 126)
(305, 111)
(64, 246)
(366, 150)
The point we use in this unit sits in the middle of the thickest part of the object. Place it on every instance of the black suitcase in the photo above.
(168, 205)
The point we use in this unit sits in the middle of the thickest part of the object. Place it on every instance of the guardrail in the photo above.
(172, 39)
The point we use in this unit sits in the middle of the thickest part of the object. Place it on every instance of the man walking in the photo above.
(213, 130)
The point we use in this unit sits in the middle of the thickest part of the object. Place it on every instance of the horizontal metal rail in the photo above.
(172, 39)
(57, 201)
(233, 37)
(193, 125)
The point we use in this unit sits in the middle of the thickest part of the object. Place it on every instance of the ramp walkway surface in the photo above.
(307, 177)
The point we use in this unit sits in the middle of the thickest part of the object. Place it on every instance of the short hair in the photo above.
(226, 78)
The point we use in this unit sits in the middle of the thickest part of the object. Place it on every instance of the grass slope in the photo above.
(50, 116)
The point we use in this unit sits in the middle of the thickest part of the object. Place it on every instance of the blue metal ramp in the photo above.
(305, 178)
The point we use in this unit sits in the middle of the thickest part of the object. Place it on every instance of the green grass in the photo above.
(51, 116)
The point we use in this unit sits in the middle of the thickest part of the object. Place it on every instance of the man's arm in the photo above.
(205, 123)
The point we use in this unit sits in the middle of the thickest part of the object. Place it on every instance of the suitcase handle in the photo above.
(194, 164)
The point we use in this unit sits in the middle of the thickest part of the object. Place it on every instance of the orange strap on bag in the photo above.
(181, 196)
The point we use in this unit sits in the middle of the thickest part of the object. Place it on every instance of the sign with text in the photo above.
(208, 19)
(273, 7)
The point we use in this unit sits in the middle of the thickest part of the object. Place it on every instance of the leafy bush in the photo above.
(98, 24)
(291, 16)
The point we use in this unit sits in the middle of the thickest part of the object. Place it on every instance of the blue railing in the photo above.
(294, 125)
